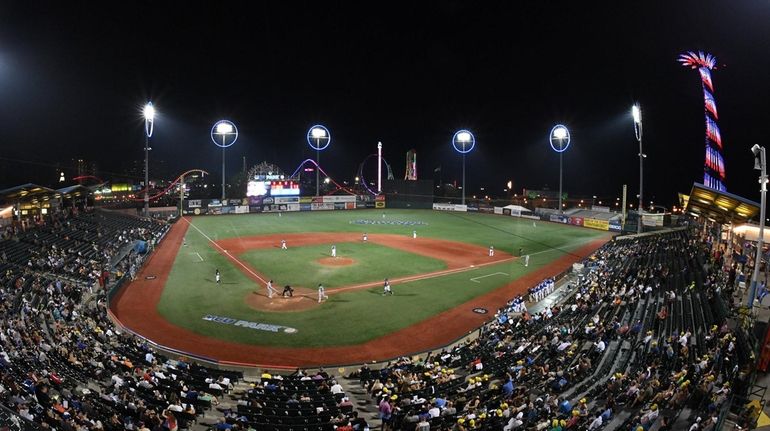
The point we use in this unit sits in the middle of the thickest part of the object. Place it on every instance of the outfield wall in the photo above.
(271, 204)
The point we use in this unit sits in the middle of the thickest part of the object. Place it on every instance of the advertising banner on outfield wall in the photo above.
(486, 208)
(305, 199)
(379, 204)
(450, 207)
(242, 209)
(287, 200)
(305, 207)
(255, 208)
(596, 224)
(321, 206)
(615, 226)
(333, 199)
(577, 221)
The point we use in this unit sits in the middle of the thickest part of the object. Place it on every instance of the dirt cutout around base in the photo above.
(302, 299)
(336, 261)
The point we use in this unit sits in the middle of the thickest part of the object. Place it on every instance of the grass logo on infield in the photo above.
(267, 327)
(389, 222)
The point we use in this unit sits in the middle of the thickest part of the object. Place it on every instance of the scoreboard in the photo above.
(272, 188)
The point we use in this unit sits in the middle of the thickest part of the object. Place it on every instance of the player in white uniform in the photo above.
(534, 224)
(270, 289)
(526, 260)
(321, 293)
(366, 237)
(414, 234)
(491, 251)
(283, 244)
(217, 277)
(334, 251)
(386, 288)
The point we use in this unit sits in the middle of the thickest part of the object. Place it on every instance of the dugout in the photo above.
(413, 194)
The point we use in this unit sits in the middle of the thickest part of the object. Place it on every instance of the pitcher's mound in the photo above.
(336, 261)
(303, 299)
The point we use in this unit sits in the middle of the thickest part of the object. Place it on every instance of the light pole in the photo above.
(318, 137)
(149, 126)
(559, 140)
(636, 112)
(224, 134)
(759, 164)
(463, 142)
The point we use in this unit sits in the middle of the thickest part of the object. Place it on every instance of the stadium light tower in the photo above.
(463, 141)
(760, 165)
(149, 126)
(318, 137)
(560, 142)
(224, 134)
(636, 112)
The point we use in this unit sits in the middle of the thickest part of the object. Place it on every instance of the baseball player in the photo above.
(334, 250)
(366, 238)
(270, 289)
(534, 224)
(321, 293)
(491, 250)
(526, 260)
(283, 244)
(414, 234)
(217, 277)
(386, 288)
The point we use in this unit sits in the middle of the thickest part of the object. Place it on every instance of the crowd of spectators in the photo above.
(640, 341)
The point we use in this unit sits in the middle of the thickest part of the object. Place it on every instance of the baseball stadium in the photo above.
(285, 217)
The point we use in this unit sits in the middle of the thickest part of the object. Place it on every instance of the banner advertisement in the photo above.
(242, 209)
(332, 199)
(305, 199)
(321, 206)
(255, 208)
(305, 207)
(472, 208)
(379, 204)
(506, 211)
(498, 210)
(194, 203)
(652, 220)
(350, 205)
(379, 198)
(615, 226)
(596, 224)
(486, 209)
(600, 209)
(577, 221)
(450, 207)
(339, 205)
(215, 203)
(369, 204)
(287, 200)
(317, 199)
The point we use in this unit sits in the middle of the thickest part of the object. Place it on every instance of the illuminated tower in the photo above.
(714, 167)
(411, 165)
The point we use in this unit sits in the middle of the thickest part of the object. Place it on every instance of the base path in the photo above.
(135, 308)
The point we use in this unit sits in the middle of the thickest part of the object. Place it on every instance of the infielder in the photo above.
(217, 277)
(365, 237)
(491, 251)
(283, 244)
(534, 224)
(414, 234)
(270, 289)
(386, 288)
(321, 293)
(526, 260)
(334, 251)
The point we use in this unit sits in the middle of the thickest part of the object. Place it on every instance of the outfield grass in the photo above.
(356, 316)
(298, 266)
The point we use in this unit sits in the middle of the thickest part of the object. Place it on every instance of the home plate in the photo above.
(473, 266)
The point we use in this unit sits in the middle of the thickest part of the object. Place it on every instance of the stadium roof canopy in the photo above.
(74, 191)
(723, 207)
(27, 192)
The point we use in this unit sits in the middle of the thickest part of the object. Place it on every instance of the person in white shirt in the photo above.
(336, 387)
(596, 423)
(149, 358)
(434, 412)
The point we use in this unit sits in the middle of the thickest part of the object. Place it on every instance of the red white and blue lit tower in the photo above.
(714, 167)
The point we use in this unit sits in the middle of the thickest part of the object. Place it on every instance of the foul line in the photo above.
(419, 277)
(227, 253)
(199, 256)
(475, 279)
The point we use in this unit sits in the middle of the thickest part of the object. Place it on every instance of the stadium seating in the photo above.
(640, 336)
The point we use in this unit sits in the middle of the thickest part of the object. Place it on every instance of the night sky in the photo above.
(74, 75)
